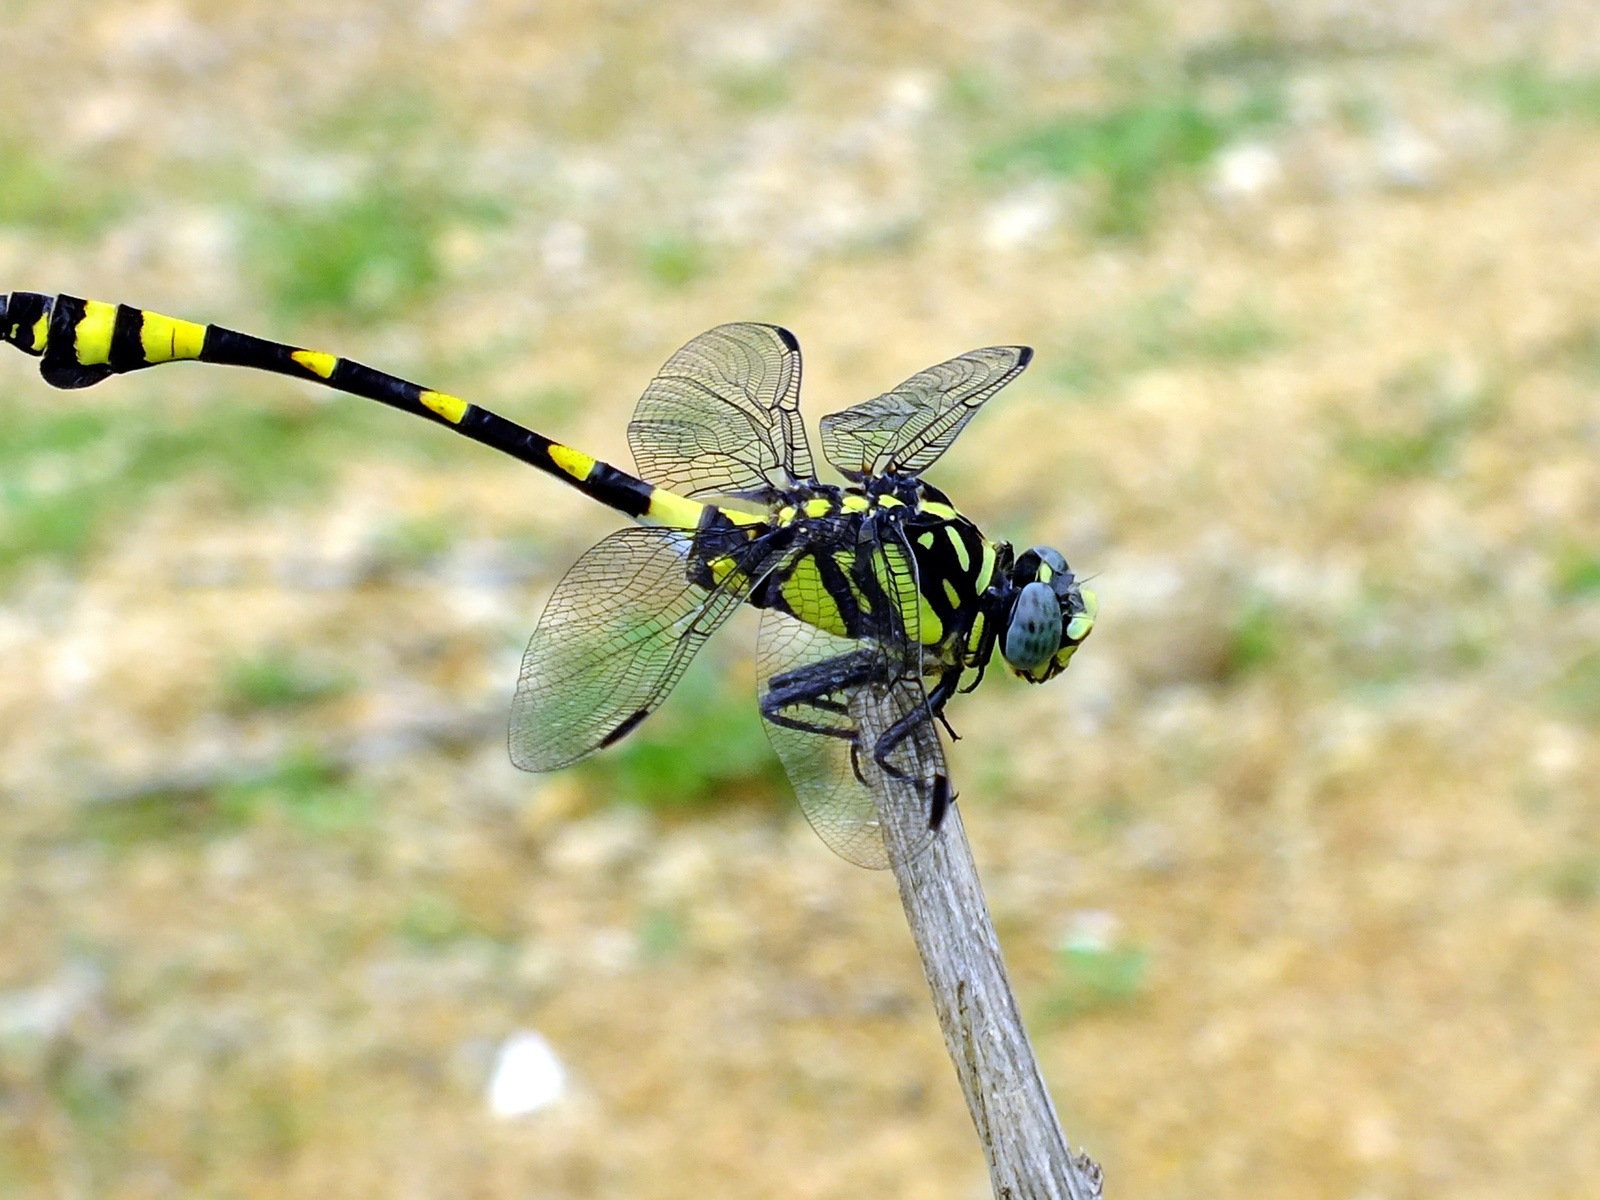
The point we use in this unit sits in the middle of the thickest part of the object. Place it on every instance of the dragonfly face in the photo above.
(878, 599)
(1048, 615)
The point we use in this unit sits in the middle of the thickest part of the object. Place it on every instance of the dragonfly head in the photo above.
(1049, 616)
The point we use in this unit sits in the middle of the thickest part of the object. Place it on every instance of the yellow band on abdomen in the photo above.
(167, 339)
(451, 408)
(573, 462)
(92, 338)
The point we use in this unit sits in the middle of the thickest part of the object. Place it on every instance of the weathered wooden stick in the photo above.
(1028, 1155)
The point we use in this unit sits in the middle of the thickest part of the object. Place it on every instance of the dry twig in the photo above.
(1027, 1153)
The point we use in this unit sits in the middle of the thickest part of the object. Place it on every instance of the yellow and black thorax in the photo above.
(894, 550)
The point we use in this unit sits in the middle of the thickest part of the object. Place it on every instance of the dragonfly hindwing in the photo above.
(620, 630)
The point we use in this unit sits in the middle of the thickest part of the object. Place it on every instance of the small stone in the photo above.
(1408, 160)
(527, 1078)
(1021, 218)
(1245, 171)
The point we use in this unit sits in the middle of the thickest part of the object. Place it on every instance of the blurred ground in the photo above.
(1298, 868)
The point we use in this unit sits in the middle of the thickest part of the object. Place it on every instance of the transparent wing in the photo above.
(907, 429)
(829, 701)
(723, 416)
(621, 628)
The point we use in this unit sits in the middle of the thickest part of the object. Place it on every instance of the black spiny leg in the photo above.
(810, 687)
(939, 801)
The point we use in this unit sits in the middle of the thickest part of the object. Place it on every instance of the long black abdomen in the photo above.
(81, 342)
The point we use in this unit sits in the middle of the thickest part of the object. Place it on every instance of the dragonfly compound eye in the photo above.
(1033, 631)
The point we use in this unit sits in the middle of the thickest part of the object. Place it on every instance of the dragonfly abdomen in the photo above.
(82, 342)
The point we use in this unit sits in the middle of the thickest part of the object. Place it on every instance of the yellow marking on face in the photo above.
(316, 362)
(453, 408)
(985, 573)
(1078, 628)
(166, 339)
(786, 514)
(92, 338)
(809, 600)
(855, 504)
(41, 333)
(935, 509)
(666, 508)
(959, 543)
(1046, 574)
(821, 506)
(573, 462)
(952, 594)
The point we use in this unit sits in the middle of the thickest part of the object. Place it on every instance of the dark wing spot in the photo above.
(623, 730)
(1024, 355)
(786, 337)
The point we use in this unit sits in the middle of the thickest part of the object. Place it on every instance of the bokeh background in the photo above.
(1298, 868)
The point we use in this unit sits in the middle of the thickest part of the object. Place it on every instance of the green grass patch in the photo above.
(1259, 638)
(706, 746)
(1160, 331)
(1575, 572)
(164, 817)
(661, 935)
(1426, 419)
(302, 791)
(1532, 91)
(415, 543)
(279, 679)
(45, 198)
(1130, 149)
(753, 89)
(1579, 351)
(95, 1100)
(1093, 979)
(433, 920)
(67, 476)
(384, 122)
(361, 258)
(1577, 690)
(1575, 880)
(674, 261)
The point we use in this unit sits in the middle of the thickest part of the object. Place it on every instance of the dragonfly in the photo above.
(879, 601)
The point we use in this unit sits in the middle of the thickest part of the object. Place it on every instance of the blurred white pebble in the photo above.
(528, 1077)
(1021, 218)
(1245, 170)
(1091, 931)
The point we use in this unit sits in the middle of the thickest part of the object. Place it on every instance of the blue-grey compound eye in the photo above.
(1051, 558)
(1033, 634)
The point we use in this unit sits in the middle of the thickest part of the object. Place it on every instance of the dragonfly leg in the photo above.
(814, 687)
(939, 800)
